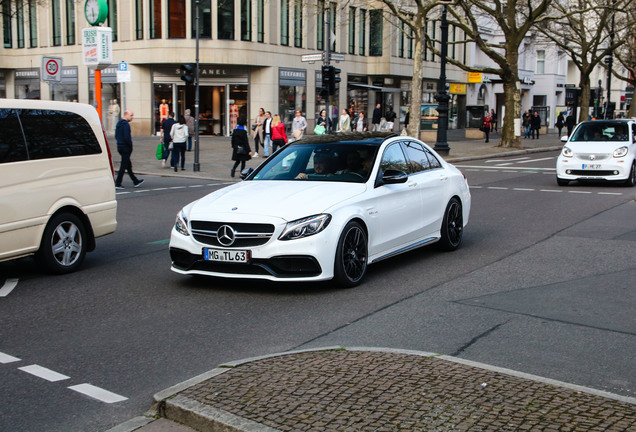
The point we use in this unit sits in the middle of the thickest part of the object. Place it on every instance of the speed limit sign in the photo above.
(51, 69)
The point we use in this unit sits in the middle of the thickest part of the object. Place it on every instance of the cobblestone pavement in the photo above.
(360, 390)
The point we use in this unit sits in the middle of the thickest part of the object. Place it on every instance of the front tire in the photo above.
(351, 256)
(63, 245)
(452, 226)
(562, 182)
(631, 180)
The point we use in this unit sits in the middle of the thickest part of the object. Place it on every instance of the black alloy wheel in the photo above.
(452, 226)
(351, 256)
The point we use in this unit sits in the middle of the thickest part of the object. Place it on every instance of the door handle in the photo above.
(443, 178)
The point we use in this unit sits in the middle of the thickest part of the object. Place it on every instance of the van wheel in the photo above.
(63, 245)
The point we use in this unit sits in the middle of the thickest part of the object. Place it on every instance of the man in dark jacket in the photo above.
(377, 118)
(125, 148)
(166, 127)
(570, 122)
(535, 124)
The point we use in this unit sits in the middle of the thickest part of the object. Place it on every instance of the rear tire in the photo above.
(452, 226)
(351, 256)
(63, 245)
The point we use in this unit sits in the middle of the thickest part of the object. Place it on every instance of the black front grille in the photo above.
(590, 173)
(246, 234)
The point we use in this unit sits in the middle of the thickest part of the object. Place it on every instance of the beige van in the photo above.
(57, 193)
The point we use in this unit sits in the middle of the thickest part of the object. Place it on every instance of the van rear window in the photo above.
(48, 134)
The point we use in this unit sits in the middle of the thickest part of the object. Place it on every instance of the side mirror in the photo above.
(392, 176)
(564, 138)
(246, 173)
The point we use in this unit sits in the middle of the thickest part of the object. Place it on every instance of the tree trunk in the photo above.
(415, 107)
(513, 111)
(584, 85)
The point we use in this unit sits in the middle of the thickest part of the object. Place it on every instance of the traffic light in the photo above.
(325, 79)
(333, 79)
(188, 73)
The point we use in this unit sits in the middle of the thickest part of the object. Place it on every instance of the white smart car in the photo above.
(599, 150)
(324, 207)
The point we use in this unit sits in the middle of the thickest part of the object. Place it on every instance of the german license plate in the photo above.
(591, 166)
(231, 256)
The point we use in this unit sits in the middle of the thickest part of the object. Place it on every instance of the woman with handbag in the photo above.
(323, 123)
(241, 151)
(179, 135)
(299, 124)
(279, 136)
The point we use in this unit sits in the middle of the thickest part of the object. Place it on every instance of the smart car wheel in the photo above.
(631, 180)
(452, 226)
(63, 244)
(562, 182)
(351, 256)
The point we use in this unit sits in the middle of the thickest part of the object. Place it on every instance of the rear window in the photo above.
(47, 133)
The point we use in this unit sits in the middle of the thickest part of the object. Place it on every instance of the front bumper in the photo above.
(579, 169)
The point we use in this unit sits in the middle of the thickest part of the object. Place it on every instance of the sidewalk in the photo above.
(364, 389)
(359, 389)
(215, 154)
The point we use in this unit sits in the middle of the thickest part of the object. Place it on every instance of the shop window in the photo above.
(225, 19)
(298, 24)
(291, 98)
(352, 30)
(177, 19)
(112, 17)
(284, 22)
(6, 25)
(363, 32)
(205, 19)
(260, 21)
(33, 24)
(375, 32)
(246, 20)
(320, 27)
(155, 19)
(57, 22)
(70, 22)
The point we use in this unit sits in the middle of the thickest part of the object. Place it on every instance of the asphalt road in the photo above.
(542, 284)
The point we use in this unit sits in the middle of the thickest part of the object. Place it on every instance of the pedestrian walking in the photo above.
(125, 149)
(324, 121)
(344, 122)
(190, 124)
(179, 136)
(267, 134)
(535, 124)
(526, 123)
(257, 131)
(361, 124)
(570, 122)
(377, 118)
(166, 127)
(390, 119)
(241, 151)
(299, 124)
(487, 125)
(279, 135)
(560, 122)
(493, 118)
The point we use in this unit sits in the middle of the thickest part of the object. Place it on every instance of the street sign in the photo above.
(51, 69)
(123, 74)
(336, 57)
(97, 47)
(311, 57)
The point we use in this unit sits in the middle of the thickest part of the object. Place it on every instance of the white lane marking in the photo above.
(580, 192)
(6, 358)
(495, 168)
(44, 373)
(196, 186)
(504, 164)
(8, 286)
(178, 187)
(507, 160)
(551, 190)
(536, 160)
(98, 393)
(609, 193)
(522, 189)
(497, 188)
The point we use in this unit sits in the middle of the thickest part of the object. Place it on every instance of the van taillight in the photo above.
(110, 156)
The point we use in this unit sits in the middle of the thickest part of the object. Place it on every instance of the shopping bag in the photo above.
(319, 130)
(160, 151)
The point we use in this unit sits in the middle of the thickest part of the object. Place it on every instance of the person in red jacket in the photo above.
(487, 125)
(279, 136)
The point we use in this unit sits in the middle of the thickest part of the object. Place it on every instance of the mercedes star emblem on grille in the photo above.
(592, 157)
(226, 235)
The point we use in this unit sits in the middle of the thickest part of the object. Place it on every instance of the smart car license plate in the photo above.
(591, 166)
(232, 256)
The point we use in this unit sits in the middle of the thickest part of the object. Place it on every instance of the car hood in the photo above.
(288, 200)
(598, 147)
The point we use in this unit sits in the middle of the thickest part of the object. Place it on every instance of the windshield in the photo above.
(601, 131)
(339, 162)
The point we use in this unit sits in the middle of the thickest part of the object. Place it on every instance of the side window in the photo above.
(634, 132)
(54, 134)
(435, 163)
(417, 157)
(393, 158)
(12, 147)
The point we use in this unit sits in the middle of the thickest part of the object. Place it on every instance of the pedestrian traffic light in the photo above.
(325, 78)
(188, 73)
(333, 79)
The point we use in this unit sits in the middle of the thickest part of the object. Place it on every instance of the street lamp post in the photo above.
(441, 146)
(196, 166)
(610, 61)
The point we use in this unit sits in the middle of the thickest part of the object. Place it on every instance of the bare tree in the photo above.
(626, 53)
(582, 28)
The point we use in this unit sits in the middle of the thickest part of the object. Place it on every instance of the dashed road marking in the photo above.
(8, 286)
(545, 190)
(6, 358)
(44, 373)
(98, 393)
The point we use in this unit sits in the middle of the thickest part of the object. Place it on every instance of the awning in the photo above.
(382, 89)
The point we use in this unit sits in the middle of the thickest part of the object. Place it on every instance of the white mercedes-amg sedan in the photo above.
(322, 208)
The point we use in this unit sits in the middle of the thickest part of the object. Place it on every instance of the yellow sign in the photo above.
(457, 88)
(474, 77)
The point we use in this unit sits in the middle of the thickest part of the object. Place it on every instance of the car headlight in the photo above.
(181, 224)
(567, 152)
(305, 227)
(620, 152)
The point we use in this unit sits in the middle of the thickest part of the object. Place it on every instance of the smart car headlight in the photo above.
(181, 224)
(567, 152)
(305, 227)
(620, 152)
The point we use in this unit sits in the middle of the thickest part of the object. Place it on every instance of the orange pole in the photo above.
(98, 93)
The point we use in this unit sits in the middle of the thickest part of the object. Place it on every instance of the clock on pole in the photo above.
(96, 11)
